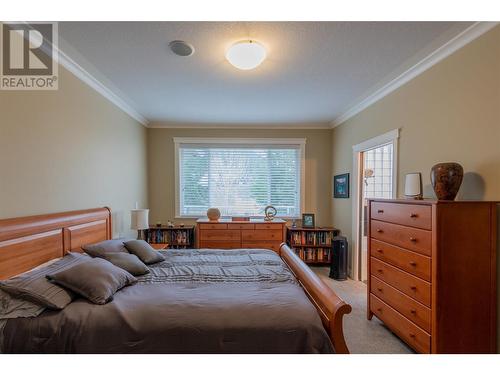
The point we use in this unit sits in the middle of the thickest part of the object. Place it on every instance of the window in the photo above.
(239, 176)
(379, 161)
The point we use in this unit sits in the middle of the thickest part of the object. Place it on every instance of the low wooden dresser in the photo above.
(432, 273)
(227, 234)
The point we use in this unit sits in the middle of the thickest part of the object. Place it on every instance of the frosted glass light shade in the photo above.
(139, 219)
(413, 185)
(246, 55)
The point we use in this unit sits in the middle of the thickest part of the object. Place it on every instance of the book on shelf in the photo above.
(171, 236)
(318, 255)
(311, 238)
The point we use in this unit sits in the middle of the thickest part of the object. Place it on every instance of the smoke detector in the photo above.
(181, 48)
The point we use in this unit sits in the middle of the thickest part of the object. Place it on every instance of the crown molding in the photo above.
(454, 44)
(84, 76)
(271, 126)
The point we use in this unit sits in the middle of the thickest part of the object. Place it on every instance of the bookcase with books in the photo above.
(312, 245)
(176, 237)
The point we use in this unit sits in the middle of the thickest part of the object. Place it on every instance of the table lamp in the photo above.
(413, 185)
(139, 221)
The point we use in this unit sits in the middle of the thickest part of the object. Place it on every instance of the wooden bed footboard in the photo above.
(331, 307)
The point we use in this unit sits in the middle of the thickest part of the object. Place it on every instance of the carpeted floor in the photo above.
(362, 335)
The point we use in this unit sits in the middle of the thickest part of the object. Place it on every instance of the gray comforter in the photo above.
(208, 301)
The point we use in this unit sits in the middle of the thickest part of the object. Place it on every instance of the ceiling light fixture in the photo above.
(246, 54)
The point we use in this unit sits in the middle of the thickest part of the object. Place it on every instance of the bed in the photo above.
(196, 301)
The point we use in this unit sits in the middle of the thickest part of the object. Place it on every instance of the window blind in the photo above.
(239, 179)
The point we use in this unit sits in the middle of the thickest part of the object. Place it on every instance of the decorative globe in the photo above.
(213, 214)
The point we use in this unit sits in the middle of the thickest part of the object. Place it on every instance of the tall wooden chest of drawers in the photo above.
(432, 273)
(227, 234)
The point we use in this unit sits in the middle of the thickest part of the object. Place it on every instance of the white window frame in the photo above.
(301, 142)
(390, 137)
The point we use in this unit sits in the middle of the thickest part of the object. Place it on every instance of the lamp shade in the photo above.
(139, 219)
(413, 185)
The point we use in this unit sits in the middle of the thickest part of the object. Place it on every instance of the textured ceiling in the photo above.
(313, 73)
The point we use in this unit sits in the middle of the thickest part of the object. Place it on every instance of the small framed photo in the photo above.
(308, 221)
(341, 186)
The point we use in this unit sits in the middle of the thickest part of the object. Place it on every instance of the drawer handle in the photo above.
(380, 231)
(379, 289)
(413, 215)
(380, 251)
(413, 264)
(413, 311)
(412, 335)
(413, 287)
(413, 239)
(380, 211)
(379, 309)
(380, 271)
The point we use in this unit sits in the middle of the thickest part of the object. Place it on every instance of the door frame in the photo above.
(357, 150)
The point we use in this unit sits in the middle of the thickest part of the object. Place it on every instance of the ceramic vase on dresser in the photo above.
(446, 179)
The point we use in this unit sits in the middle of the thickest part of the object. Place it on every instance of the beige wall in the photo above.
(70, 149)
(162, 179)
(449, 113)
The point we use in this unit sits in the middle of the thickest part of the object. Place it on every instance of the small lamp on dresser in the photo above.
(139, 221)
(413, 186)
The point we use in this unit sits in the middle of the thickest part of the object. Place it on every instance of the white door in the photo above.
(376, 172)
(375, 175)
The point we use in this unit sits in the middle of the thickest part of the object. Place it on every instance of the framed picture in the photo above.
(341, 186)
(308, 220)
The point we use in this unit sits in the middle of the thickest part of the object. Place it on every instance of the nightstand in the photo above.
(159, 246)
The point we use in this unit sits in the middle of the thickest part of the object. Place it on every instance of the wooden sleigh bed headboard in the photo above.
(27, 242)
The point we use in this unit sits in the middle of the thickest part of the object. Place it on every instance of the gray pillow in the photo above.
(103, 247)
(144, 251)
(129, 262)
(11, 307)
(34, 287)
(97, 280)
